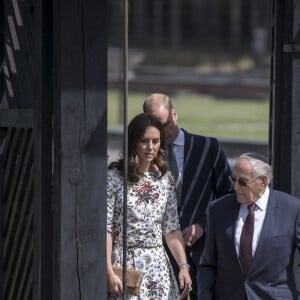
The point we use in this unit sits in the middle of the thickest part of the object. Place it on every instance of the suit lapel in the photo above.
(187, 143)
(231, 230)
(186, 156)
(267, 228)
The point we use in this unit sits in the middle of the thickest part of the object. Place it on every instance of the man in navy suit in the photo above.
(273, 240)
(203, 175)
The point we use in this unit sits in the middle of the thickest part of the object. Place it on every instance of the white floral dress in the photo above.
(151, 213)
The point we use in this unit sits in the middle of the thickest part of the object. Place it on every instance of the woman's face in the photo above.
(148, 146)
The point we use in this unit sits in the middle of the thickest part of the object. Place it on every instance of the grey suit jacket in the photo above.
(271, 274)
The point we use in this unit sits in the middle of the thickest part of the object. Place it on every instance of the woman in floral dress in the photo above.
(151, 217)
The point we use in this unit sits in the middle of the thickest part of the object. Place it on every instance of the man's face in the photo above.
(168, 118)
(247, 186)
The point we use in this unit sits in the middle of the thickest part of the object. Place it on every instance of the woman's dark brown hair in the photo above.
(136, 130)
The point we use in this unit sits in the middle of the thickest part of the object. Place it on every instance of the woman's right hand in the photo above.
(114, 284)
(185, 281)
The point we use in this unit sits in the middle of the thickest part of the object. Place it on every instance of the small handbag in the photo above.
(133, 279)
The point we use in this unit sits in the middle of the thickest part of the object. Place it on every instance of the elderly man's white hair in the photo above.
(260, 164)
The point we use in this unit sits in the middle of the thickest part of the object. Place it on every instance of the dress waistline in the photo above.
(132, 247)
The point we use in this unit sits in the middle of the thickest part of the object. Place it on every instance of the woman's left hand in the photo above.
(185, 281)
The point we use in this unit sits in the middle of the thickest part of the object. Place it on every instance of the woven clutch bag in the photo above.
(133, 279)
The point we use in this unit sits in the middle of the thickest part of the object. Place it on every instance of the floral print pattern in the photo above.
(151, 213)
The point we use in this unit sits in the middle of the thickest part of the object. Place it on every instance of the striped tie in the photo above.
(173, 167)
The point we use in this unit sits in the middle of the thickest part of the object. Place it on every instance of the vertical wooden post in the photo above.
(295, 110)
(158, 23)
(235, 24)
(1, 50)
(80, 152)
(280, 106)
(175, 24)
(42, 237)
(139, 20)
(285, 102)
(2, 131)
(296, 103)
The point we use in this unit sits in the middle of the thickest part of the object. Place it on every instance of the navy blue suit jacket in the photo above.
(271, 274)
(206, 174)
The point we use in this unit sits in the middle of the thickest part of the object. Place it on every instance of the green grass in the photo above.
(223, 118)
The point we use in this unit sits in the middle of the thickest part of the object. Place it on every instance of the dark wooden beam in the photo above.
(80, 151)
(2, 130)
(19, 118)
(285, 97)
(280, 106)
(285, 102)
(43, 136)
(2, 93)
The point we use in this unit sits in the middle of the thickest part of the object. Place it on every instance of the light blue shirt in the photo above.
(178, 148)
(259, 217)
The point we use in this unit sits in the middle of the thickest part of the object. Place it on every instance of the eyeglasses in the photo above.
(241, 181)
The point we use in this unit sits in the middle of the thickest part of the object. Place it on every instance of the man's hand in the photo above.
(192, 234)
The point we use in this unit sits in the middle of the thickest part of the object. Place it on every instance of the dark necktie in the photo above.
(173, 167)
(245, 254)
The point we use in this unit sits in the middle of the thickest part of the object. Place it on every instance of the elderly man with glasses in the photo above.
(251, 238)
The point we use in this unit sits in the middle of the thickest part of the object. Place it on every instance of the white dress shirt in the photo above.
(259, 217)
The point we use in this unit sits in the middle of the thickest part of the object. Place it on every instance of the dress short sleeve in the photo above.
(113, 183)
(171, 219)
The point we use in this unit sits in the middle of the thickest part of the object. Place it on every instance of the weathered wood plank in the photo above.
(17, 118)
(285, 103)
(80, 149)
(42, 275)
